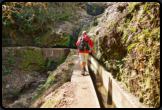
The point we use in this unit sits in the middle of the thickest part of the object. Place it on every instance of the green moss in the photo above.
(66, 42)
(43, 87)
(32, 60)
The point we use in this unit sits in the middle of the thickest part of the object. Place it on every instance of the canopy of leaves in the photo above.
(18, 7)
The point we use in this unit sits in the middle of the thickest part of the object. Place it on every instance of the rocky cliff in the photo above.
(127, 42)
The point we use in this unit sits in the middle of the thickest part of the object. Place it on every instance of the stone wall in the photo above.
(52, 53)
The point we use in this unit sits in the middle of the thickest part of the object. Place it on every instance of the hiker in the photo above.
(84, 47)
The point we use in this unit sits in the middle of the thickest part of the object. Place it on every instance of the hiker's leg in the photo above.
(85, 61)
(81, 56)
(81, 59)
(82, 64)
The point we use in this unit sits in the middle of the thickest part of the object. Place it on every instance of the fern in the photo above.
(119, 29)
(131, 46)
(148, 11)
(132, 29)
(125, 35)
(145, 7)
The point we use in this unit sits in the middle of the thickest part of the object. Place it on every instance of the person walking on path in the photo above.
(83, 44)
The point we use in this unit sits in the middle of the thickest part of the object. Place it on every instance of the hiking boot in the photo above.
(84, 69)
(83, 72)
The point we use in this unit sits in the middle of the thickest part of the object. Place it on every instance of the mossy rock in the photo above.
(32, 60)
(56, 40)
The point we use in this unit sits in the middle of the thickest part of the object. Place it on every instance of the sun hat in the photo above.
(84, 32)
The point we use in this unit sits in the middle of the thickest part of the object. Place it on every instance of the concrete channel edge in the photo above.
(119, 98)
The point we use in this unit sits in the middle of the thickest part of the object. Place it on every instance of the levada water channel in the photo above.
(105, 100)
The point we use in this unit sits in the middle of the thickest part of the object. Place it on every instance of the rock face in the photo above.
(66, 28)
(125, 42)
(18, 83)
(95, 8)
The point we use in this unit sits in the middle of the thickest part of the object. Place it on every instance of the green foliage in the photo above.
(93, 8)
(83, 29)
(37, 38)
(10, 60)
(64, 16)
(7, 22)
(3, 67)
(129, 38)
(145, 7)
(67, 42)
(37, 96)
(48, 62)
(132, 29)
(70, 54)
(49, 81)
(5, 70)
(60, 60)
(131, 46)
(148, 11)
(124, 35)
(131, 6)
(43, 87)
(119, 29)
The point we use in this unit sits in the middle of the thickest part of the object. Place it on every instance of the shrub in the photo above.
(5, 70)
(60, 60)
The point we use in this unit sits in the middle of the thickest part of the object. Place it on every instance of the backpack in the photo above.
(84, 44)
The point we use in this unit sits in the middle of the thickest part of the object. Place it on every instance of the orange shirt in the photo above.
(90, 43)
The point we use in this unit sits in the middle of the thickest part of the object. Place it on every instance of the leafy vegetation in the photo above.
(66, 43)
(130, 45)
(5, 70)
(31, 16)
(60, 60)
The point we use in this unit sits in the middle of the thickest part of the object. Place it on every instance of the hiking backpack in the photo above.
(84, 44)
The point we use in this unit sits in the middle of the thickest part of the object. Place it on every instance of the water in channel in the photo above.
(104, 98)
